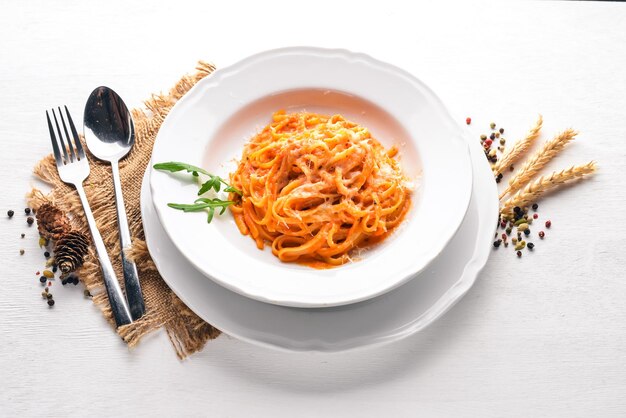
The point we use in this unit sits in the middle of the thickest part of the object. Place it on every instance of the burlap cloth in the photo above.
(187, 332)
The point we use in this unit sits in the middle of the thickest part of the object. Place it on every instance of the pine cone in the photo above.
(70, 251)
(52, 222)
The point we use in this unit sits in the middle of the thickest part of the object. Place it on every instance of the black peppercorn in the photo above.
(535, 206)
(530, 245)
(50, 302)
(75, 280)
(27, 211)
(42, 279)
(501, 130)
(54, 268)
(527, 232)
(519, 253)
(10, 213)
(64, 282)
(30, 220)
(46, 254)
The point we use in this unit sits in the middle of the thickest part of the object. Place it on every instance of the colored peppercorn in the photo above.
(542, 234)
(535, 216)
(519, 254)
(30, 220)
(508, 231)
(10, 213)
(492, 125)
(488, 143)
(548, 224)
(468, 120)
(492, 136)
(21, 251)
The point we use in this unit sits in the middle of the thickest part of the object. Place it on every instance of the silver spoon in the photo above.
(110, 135)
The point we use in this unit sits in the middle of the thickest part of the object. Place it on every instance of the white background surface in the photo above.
(540, 336)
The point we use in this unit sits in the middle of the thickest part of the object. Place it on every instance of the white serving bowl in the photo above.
(209, 126)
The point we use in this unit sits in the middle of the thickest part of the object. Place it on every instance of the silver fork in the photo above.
(74, 169)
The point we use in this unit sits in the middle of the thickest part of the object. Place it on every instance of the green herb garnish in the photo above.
(203, 203)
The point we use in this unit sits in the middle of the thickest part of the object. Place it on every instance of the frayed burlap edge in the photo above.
(187, 332)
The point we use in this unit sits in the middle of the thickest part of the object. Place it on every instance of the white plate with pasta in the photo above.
(389, 317)
(344, 177)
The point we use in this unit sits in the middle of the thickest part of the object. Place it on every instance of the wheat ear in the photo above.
(534, 164)
(543, 184)
(519, 148)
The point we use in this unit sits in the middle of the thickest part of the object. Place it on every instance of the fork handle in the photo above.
(131, 277)
(116, 297)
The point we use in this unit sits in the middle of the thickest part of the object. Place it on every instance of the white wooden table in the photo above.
(540, 336)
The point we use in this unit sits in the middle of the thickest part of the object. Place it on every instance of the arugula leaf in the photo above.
(202, 203)
(214, 182)
(175, 166)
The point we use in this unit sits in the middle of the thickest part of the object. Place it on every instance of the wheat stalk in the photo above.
(534, 164)
(543, 184)
(519, 148)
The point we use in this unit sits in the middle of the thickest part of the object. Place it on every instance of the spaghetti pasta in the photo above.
(316, 187)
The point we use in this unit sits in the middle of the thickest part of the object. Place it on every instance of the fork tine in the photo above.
(55, 145)
(67, 136)
(79, 146)
(63, 147)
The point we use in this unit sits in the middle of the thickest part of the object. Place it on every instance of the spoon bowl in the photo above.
(109, 129)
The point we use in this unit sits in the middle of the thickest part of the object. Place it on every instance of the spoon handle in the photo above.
(120, 311)
(131, 278)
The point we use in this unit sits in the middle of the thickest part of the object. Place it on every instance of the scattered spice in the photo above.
(46, 254)
(27, 211)
(30, 220)
(468, 120)
(492, 125)
(548, 224)
(21, 251)
(50, 302)
(43, 279)
(519, 254)
(48, 274)
(530, 246)
(10, 213)
(23, 235)
(542, 234)
(535, 216)
(535, 206)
